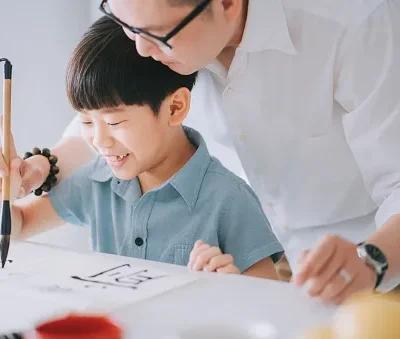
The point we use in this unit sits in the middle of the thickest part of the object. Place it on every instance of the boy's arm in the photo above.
(72, 152)
(247, 242)
(246, 234)
(265, 268)
(33, 217)
(210, 259)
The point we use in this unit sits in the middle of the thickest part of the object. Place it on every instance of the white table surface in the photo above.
(219, 306)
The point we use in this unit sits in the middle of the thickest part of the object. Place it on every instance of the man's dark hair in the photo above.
(106, 71)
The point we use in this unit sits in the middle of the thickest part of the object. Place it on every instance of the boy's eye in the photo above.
(116, 123)
(86, 122)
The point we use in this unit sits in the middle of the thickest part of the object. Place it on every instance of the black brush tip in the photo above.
(4, 246)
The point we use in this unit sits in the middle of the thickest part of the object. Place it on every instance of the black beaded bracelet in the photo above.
(51, 180)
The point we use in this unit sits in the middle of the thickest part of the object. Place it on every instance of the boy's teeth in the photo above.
(118, 157)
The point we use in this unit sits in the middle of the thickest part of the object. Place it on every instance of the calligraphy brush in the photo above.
(5, 231)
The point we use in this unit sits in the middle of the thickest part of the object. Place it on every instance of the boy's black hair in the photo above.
(106, 71)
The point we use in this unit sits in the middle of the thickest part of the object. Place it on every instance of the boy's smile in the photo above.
(116, 161)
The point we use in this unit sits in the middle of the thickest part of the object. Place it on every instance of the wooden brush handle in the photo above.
(6, 137)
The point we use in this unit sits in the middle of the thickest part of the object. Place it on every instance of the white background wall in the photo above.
(38, 37)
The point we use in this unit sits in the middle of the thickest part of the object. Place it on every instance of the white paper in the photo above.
(40, 282)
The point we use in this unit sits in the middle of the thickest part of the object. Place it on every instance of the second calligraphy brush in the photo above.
(5, 231)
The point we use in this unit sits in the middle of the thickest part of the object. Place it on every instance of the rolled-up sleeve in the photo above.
(73, 129)
(245, 232)
(71, 197)
(368, 87)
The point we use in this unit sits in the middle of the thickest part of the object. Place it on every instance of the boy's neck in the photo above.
(180, 153)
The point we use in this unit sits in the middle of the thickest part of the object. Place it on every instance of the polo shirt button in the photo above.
(139, 242)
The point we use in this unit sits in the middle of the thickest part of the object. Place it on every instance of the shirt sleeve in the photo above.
(367, 86)
(71, 196)
(73, 129)
(246, 233)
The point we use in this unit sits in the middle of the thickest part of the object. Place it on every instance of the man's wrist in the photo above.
(375, 259)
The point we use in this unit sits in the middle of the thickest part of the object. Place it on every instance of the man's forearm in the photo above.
(387, 238)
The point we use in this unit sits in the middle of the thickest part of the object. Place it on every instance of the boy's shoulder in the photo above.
(223, 183)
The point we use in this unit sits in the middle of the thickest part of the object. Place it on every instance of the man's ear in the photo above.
(232, 9)
(179, 106)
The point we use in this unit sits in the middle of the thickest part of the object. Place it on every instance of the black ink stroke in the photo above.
(120, 276)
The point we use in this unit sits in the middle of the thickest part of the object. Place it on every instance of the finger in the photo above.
(203, 258)
(195, 252)
(219, 262)
(13, 150)
(15, 182)
(351, 289)
(197, 244)
(3, 165)
(316, 260)
(317, 283)
(303, 255)
(32, 178)
(229, 269)
(335, 287)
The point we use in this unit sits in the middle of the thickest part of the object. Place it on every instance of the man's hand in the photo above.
(333, 271)
(210, 259)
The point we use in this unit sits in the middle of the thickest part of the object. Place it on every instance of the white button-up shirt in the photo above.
(311, 107)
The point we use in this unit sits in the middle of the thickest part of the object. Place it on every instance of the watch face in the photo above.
(375, 253)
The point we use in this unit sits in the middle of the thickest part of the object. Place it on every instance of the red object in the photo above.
(79, 327)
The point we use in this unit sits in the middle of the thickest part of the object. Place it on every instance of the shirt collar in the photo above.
(187, 181)
(101, 171)
(266, 28)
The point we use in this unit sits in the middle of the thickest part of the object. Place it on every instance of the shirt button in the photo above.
(270, 205)
(286, 228)
(139, 242)
(229, 90)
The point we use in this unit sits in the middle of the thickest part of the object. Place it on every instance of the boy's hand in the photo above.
(210, 259)
(27, 175)
(15, 169)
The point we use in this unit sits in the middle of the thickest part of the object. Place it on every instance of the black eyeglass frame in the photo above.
(163, 39)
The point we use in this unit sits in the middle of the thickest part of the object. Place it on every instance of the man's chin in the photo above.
(182, 69)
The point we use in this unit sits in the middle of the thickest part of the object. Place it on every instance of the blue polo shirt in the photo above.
(203, 200)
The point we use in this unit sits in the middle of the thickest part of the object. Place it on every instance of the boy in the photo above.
(153, 190)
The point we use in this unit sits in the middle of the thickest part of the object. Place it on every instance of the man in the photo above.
(305, 92)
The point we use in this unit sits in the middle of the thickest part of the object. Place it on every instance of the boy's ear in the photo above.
(179, 105)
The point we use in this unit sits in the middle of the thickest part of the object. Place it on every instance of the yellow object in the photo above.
(320, 333)
(368, 318)
(363, 317)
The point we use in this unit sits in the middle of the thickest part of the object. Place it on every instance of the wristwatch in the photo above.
(374, 258)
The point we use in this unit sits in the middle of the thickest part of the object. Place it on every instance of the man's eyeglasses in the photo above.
(160, 41)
